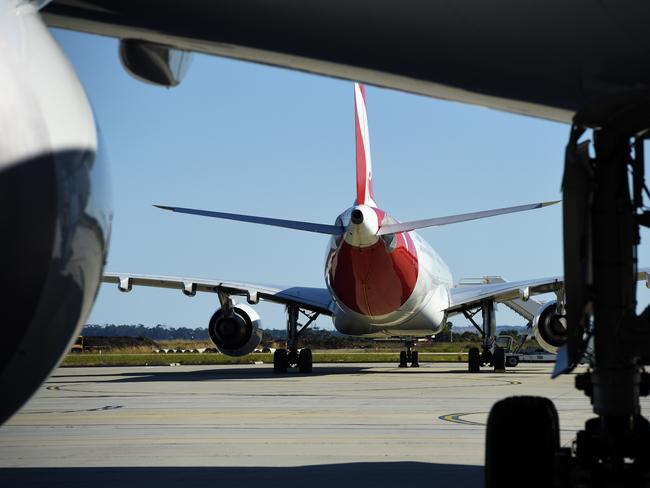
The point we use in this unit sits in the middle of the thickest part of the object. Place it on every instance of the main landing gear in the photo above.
(491, 355)
(601, 233)
(409, 356)
(283, 359)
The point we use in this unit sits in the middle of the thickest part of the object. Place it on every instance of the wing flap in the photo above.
(314, 299)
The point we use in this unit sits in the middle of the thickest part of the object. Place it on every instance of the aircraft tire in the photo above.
(305, 361)
(414, 360)
(499, 359)
(402, 359)
(540, 417)
(474, 360)
(280, 361)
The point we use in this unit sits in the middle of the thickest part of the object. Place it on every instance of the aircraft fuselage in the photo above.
(384, 285)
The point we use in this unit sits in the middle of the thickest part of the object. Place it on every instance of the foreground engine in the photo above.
(550, 327)
(237, 334)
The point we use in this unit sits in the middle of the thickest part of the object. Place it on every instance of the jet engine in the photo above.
(237, 333)
(550, 327)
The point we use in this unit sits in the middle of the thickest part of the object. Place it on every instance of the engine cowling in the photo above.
(550, 327)
(238, 334)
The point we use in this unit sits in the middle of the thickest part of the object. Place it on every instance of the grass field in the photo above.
(89, 359)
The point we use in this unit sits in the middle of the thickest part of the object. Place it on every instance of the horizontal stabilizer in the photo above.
(289, 224)
(452, 219)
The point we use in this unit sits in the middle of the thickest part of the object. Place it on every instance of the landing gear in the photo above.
(403, 360)
(409, 356)
(501, 441)
(492, 355)
(474, 360)
(499, 360)
(305, 361)
(283, 359)
(280, 361)
(601, 233)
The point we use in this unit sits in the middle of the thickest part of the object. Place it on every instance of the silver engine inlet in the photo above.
(550, 327)
(238, 333)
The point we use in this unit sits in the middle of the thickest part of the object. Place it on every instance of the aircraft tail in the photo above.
(365, 194)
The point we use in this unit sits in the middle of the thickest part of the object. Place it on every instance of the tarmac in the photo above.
(243, 425)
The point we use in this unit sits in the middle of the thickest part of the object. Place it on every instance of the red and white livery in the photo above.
(382, 279)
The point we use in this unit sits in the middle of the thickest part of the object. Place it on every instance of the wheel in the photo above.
(474, 360)
(402, 359)
(503, 433)
(499, 359)
(414, 360)
(280, 361)
(305, 361)
(512, 361)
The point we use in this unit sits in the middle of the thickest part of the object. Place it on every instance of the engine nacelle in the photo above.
(550, 327)
(238, 334)
(154, 63)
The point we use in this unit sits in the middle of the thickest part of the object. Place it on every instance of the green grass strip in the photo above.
(76, 360)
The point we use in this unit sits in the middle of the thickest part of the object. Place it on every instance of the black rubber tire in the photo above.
(280, 361)
(512, 361)
(402, 359)
(305, 361)
(414, 360)
(474, 360)
(504, 460)
(499, 359)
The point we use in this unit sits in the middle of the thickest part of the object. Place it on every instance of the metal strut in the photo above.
(469, 315)
(601, 232)
(293, 330)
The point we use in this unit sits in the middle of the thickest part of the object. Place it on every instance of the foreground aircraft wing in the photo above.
(314, 299)
(545, 73)
(515, 293)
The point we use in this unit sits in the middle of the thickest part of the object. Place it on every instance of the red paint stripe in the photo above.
(361, 155)
(361, 169)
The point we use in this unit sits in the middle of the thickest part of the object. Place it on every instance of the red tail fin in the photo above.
(365, 194)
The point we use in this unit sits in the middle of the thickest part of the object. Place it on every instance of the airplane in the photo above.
(579, 63)
(382, 280)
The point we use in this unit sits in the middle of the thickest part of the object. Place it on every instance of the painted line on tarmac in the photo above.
(456, 418)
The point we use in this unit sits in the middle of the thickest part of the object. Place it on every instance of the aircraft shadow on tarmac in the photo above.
(161, 373)
(377, 475)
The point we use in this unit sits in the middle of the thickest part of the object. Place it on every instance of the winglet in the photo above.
(164, 207)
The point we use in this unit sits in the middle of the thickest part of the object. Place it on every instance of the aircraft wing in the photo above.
(514, 294)
(314, 299)
(550, 71)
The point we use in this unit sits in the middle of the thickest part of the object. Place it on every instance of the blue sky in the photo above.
(247, 138)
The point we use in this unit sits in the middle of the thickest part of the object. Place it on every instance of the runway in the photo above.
(209, 424)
